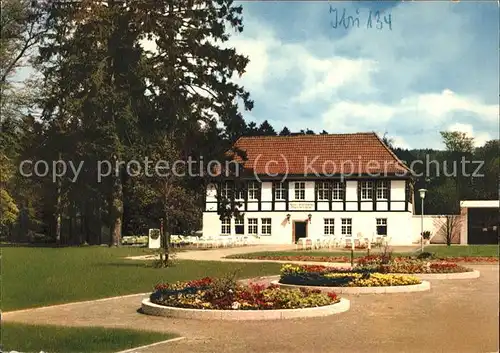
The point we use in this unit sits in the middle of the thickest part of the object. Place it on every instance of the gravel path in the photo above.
(456, 316)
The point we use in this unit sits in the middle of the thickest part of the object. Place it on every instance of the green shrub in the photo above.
(426, 255)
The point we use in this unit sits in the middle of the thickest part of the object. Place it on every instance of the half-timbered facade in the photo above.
(315, 186)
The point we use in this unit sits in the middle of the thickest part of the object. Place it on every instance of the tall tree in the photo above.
(20, 31)
(285, 132)
(388, 141)
(180, 87)
(95, 44)
(252, 129)
(188, 52)
(456, 141)
(459, 147)
(485, 183)
(265, 129)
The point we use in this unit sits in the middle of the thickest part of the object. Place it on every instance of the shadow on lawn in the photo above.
(134, 264)
(36, 245)
(142, 264)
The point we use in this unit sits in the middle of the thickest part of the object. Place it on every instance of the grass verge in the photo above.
(55, 339)
(463, 250)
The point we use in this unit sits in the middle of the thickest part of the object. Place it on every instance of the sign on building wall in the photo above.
(302, 206)
(154, 238)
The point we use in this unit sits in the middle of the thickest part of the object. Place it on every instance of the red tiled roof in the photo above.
(347, 154)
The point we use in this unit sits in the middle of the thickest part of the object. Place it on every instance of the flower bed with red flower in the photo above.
(336, 277)
(474, 259)
(407, 265)
(226, 294)
(302, 274)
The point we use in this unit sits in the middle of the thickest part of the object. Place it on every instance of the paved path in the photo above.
(459, 316)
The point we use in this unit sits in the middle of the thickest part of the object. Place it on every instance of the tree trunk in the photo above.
(166, 240)
(116, 203)
(116, 211)
(85, 223)
(72, 224)
(58, 209)
(58, 226)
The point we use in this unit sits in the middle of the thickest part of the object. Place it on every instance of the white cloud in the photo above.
(433, 107)
(272, 59)
(400, 142)
(352, 116)
(257, 51)
(438, 105)
(324, 77)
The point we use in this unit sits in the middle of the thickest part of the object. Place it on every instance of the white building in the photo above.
(314, 186)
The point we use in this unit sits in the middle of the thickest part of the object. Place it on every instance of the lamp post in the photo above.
(162, 242)
(422, 197)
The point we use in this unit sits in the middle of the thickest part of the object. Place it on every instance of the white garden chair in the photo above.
(215, 242)
(238, 241)
(338, 241)
(251, 239)
(220, 241)
(325, 242)
(304, 243)
(298, 243)
(316, 243)
(203, 242)
(360, 238)
(348, 241)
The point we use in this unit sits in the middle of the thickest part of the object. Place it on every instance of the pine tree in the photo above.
(252, 129)
(105, 88)
(265, 129)
(94, 87)
(285, 132)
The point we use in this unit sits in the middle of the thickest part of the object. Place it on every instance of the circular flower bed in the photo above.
(226, 294)
(384, 264)
(322, 276)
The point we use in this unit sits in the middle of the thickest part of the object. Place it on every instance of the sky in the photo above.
(435, 68)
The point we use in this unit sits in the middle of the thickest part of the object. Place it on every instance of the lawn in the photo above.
(464, 250)
(55, 339)
(33, 277)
